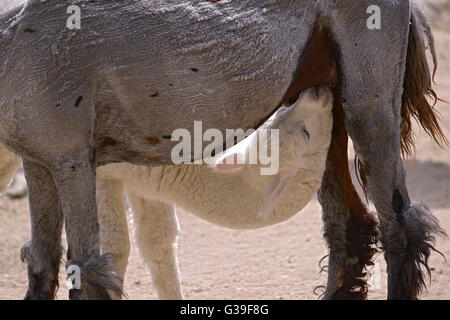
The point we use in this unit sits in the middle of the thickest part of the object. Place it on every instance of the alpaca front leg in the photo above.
(43, 253)
(156, 228)
(113, 223)
(75, 180)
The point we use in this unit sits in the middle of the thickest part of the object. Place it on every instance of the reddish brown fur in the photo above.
(153, 140)
(154, 159)
(317, 67)
(54, 285)
(417, 88)
(108, 141)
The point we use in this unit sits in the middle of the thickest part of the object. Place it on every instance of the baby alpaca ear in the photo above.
(276, 188)
(229, 162)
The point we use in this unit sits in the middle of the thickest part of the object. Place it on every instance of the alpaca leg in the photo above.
(349, 229)
(113, 223)
(156, 228)
(372, 89)
(407, 227)
(43, 253)
(75, 181)
(350, 241)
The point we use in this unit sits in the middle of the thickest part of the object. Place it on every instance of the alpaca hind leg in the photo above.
(407, 227)
(349, 229)
(156, 228)
(350, 240)
(372, 88)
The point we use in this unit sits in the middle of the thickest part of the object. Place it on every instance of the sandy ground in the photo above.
(279, 262)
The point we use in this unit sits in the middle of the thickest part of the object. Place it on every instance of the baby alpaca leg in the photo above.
(113, 223)
(156, 228)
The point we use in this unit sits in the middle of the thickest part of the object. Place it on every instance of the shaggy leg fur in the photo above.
(408, 241)
(350, 243)
(99, 280)
(43, 253)
(156, 228)
(113, 223)
(75, 179)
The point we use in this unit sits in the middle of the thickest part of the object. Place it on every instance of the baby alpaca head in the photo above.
(304, 137)
(304, 133)
(304, 129)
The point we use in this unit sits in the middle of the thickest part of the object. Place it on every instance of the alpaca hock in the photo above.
(242, 147)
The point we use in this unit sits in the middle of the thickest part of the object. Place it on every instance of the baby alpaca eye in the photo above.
(293, 99)
(316, 92)
(306, 135)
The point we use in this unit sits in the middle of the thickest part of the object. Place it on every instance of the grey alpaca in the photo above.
(72, 100)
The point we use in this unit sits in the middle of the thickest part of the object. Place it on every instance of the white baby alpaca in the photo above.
(232, 196)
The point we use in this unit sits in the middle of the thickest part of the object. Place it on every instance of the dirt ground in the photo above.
(279, 262)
